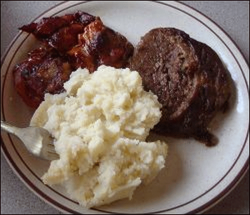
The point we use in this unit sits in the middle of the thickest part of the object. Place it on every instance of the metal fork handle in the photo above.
(9, 128)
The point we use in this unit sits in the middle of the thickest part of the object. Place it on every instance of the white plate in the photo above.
(196, 177)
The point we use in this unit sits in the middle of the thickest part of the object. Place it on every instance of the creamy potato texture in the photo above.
(100, 125)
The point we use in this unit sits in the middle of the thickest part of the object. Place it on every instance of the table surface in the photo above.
(231, 16)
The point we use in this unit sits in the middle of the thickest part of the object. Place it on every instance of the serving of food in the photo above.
(100, 125)
(72, 41)
(187, 76)
(119, 109)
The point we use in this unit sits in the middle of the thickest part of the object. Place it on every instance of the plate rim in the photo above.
(203, 207)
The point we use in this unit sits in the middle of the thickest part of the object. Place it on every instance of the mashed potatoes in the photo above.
(100, 125)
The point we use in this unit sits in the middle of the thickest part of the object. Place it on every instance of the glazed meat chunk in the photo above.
(100, 45)
(60, 32)
(67, 43)
(44, 71)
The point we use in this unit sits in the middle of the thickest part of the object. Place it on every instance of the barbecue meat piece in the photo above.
(100, 45)
(60, 32)
(67, 43)
(44, 71)
(189, 79)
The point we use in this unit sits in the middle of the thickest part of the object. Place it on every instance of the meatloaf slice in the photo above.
(189, 79)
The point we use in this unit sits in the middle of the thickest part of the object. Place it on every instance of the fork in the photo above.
(38, 141)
